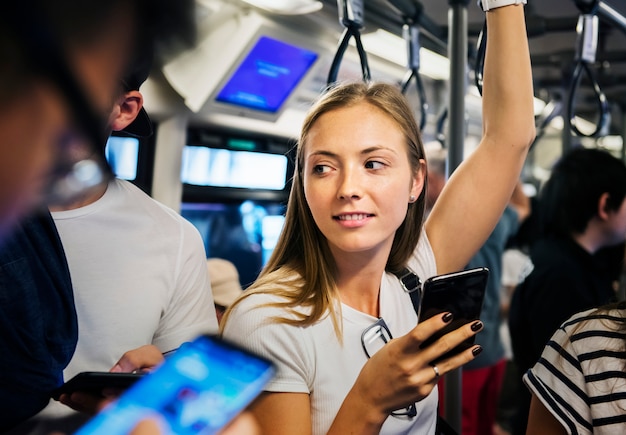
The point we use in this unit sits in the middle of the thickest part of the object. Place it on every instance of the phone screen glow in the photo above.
(196, 391)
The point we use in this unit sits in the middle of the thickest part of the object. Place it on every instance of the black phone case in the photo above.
(95, 382)
(460, 293)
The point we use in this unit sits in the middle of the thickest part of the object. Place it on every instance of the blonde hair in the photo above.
(302, 250)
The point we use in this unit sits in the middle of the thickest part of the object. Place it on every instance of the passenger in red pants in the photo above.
(481, 391)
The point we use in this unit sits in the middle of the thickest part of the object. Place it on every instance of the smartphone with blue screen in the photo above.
(460, 293)
(196, 391)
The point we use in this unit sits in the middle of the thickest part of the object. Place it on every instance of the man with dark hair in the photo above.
(138, 270)
(61, 63)
(581, 210)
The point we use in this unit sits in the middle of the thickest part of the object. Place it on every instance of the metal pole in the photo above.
(611, 14)
(457, 53)
(566, 134)
(623, 151)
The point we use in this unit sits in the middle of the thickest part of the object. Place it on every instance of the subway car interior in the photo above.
(227, 112)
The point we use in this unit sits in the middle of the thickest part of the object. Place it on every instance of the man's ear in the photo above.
(126, 110)
(603, 206)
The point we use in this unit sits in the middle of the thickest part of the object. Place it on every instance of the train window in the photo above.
(235, 190)
(202, 166)
(243, 232)
(267, 75)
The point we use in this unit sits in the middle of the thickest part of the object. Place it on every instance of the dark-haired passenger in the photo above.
(61, 64)
(138, 270)
(581, 209)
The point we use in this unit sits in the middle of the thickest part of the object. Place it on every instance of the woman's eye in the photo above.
(372, 164)
(320, 169)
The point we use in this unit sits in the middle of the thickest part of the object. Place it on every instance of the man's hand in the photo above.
(144, 358)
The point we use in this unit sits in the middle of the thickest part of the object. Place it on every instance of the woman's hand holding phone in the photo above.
(401, 372)
(459, 293)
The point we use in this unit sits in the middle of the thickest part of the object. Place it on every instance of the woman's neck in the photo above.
(359, 285)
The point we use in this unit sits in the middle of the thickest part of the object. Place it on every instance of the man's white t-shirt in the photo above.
(139, 275)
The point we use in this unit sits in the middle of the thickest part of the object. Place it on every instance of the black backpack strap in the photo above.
(411, 284)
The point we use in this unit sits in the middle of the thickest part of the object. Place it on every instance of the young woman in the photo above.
(354, 220)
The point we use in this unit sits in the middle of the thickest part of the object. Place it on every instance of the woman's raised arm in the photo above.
(476, 194)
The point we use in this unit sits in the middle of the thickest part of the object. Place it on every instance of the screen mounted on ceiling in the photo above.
(202, 166)
(267, 75)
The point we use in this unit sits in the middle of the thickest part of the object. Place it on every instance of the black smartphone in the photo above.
(198, 390)
(95, 382)
(460, 293)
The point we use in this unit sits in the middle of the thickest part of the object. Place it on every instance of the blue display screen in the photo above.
(204, 166)
(267, 76)
(122, 153)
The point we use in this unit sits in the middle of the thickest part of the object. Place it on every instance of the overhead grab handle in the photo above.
(586, 49)
(411, 11)
(351, 17)
(551, 110)
(479, 67)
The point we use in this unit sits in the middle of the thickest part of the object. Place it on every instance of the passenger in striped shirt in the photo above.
(579, 384)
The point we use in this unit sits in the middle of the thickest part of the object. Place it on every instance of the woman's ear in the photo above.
(126, 110)
(419, 177)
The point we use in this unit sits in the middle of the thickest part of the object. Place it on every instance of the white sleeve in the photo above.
(190, 311)
(289, 347)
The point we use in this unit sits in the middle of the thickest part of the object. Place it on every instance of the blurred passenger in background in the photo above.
(62, 62)
(581, 209)
(482, 377)
(224, 284)
(436, 160)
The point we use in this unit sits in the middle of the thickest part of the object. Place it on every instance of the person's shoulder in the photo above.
(153, 207)
(271, 300)
(603, 318)
(257, 313)
(260, 301)
(556, 258)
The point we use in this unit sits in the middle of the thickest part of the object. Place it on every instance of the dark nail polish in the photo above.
(447, 317)
(477, 350)
(477, 326)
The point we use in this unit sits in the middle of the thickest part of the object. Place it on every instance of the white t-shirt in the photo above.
(139, 275)
(312, 360)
